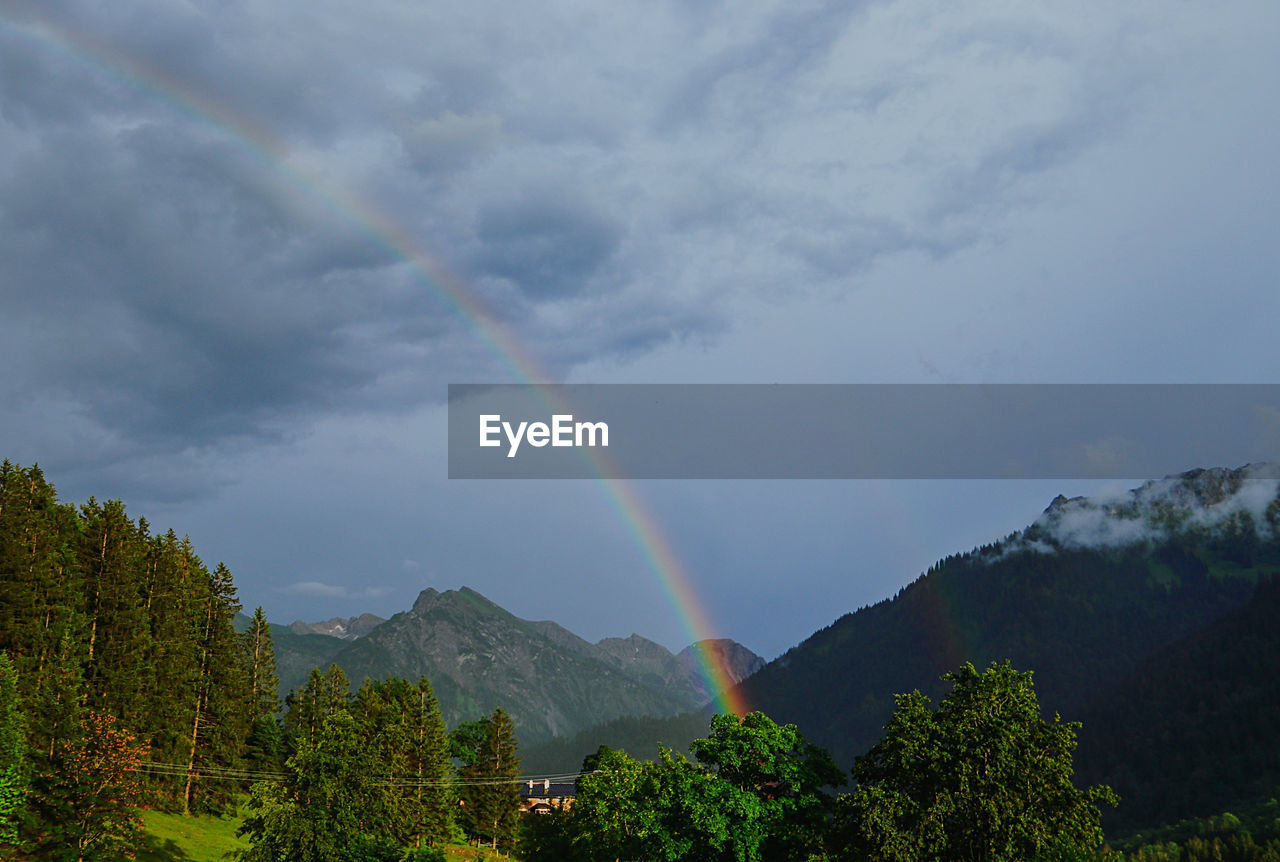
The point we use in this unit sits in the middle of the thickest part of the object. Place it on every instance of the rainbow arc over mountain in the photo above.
(375, 223)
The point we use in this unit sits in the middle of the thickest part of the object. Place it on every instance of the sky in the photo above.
(245, 247)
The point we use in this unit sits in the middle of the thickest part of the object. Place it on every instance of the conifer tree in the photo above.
(429, 762)
(13, 754)
(327, 803)
(113, 554)
(260, 655)
(39, 571)
(306, 709)
(220, 720)
(265, 745)
(402, 724)
(490, 793)
(174, 585)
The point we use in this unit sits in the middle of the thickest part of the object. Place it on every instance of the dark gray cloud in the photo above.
(548, 244)
(244, 247)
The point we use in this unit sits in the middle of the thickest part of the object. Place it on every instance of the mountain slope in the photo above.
(1082, 598)
(296, 654)
(346, 629)
(679, 676)
(479, 656)
(1195, 729)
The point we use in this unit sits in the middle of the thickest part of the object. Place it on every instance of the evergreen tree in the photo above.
(13, 754)
(490, 787)
(327, 805)
(260, 655)
(113, 554)
(221, 718)
(39, 571)
(403, 726)
(434, 804)
(175, 584)
(323, 695)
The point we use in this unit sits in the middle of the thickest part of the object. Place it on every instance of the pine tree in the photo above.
(490, 793)
(221, 718)
(327, 804)
(404, 729)
(175, 583)
(39, 571)
(13, 754)
(306, 709)
(113, 554)
(429, 762)
(260, 655)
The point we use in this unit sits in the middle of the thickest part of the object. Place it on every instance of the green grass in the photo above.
(175, 838)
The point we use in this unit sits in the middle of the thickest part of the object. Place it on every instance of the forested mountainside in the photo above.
(1194, 730)
(1083, 597)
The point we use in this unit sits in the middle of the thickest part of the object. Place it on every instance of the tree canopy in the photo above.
(982, 777)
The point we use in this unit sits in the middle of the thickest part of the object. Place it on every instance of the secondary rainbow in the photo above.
(363, 215)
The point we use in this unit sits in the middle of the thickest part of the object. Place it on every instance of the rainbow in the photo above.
(455, 296)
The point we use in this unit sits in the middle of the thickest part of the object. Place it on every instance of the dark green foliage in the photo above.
(1196, 727)
(757, 792)
(465, 741)
(402, 726)
(490, 795)
(367, 777)
(329, 799)
(550, 838)
(265, 746)
(102, 619)
(1081, 618)
(982, 777)
(306, 709)
(260, 659)
(14, 773)
(40, 574)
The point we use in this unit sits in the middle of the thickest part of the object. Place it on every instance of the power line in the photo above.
(224, 773)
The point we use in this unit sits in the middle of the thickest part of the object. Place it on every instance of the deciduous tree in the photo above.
(982, 777)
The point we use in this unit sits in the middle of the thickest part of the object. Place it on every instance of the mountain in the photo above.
(734, 659)
(479, 656)
(1083, 597)
(348, 630)
(1194, 730)
(296, 654)
(679, 676)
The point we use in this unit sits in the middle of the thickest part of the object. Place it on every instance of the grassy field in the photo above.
(174, 838)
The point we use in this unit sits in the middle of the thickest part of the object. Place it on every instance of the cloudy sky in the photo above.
(245, 246)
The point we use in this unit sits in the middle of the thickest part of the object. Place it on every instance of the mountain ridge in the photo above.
(478, 656)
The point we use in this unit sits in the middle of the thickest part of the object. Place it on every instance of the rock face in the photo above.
(681, 676)
(737, 661)
(479, 656)
(348, 630)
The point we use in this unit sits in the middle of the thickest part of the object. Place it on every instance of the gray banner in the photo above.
(857, 431)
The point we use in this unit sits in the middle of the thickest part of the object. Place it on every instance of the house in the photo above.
(542, 797)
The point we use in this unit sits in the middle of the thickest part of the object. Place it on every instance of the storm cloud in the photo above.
(262, 234)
